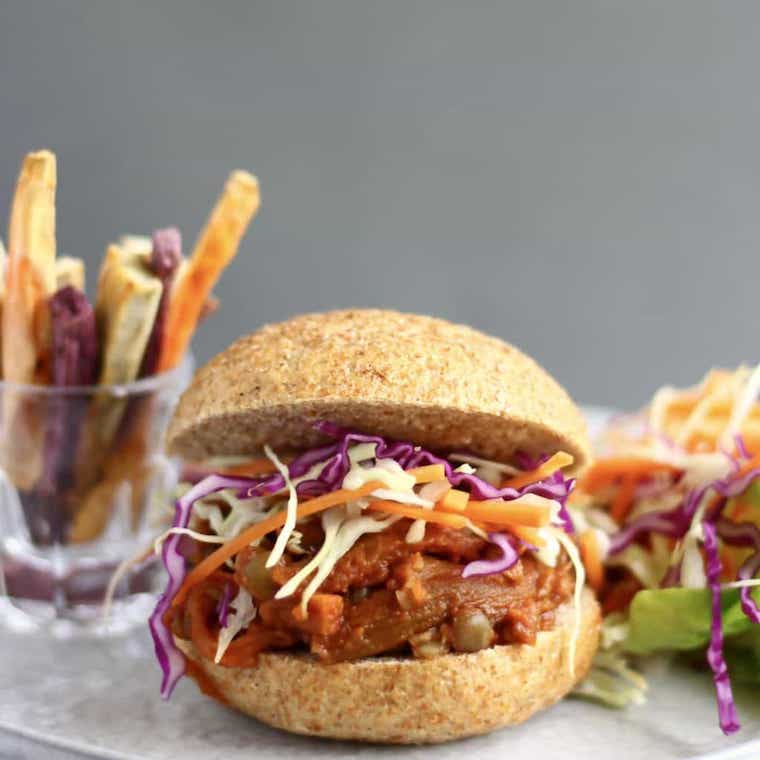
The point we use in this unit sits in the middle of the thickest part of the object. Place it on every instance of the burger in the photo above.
(373, 541)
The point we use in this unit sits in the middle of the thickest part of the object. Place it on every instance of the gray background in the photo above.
(578, 177)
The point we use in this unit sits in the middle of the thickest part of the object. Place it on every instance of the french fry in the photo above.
(29, 281)
(210, 307)
(216, 246)
(125, 308)
(124, 474)
(74, 363)
(3, 261)
(138, 245)
(165, 258)
(31, 270)
(74, 344)
(124, 484)
(69, 271)
(141, 246)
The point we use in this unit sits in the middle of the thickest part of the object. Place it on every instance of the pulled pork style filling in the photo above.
(385, 596)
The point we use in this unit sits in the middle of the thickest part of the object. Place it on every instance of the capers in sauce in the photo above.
(472, 631)
(258, 577)
(358, 594)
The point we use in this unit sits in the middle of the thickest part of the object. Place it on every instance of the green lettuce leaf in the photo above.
(679, 619)
(743, 655)
(752, 494)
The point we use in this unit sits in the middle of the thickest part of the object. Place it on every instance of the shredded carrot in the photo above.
(429, 473)
(207, 566)
(498, 511)
(751, 442)
(417, 513)
(525, 532)
(604, 472)
(557, 462)
(728, 569)
(742, 510)
(454, 500)
(592, 559)
(750, 464)
(623, 501)
(698, 443)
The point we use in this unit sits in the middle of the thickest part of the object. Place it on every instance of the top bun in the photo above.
(443, 386)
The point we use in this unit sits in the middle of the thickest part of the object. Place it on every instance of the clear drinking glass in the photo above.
(84, 486)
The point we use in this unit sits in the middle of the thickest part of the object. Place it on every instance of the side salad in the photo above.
(670, 514)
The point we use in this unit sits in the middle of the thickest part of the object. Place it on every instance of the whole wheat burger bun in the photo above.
(409, 701)
(441, 385)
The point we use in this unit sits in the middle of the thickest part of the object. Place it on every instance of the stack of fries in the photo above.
(148, 302)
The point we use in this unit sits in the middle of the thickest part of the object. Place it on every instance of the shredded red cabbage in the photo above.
(527, 462)
(171, 660)
(334, 456)
(492, 566)
(749, 569)
(741, 447)
(732, 486)
(672, 577)
(733, 460)
(744, 534)
(555, 487)
(673, 522)
(667, 523)
(651, 487)
(729, 721)
(223, 608)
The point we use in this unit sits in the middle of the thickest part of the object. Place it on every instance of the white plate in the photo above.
(100, 696)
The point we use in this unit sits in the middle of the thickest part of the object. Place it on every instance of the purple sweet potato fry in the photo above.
(74, 338)
(164, 262)
(74, 362)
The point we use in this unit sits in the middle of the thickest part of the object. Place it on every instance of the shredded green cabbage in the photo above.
(580, 579)
(612, 682)
(290, 520)
(348, 533)
(331, 521)
(243, 612)
(387, 471)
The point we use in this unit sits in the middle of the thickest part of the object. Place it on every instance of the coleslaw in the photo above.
(354, 487)
(677, 486)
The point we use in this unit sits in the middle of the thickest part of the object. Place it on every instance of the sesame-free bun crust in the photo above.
(408, 701)
(405, 376)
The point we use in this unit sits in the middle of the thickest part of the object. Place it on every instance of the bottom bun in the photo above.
(405, 700)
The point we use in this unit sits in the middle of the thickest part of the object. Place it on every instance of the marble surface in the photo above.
(100, 696)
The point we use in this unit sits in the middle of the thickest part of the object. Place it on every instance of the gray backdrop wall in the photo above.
(581, 178)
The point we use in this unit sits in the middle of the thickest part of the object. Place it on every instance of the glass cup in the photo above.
(85, 486)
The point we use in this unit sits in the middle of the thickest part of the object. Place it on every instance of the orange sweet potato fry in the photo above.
(217, 245)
